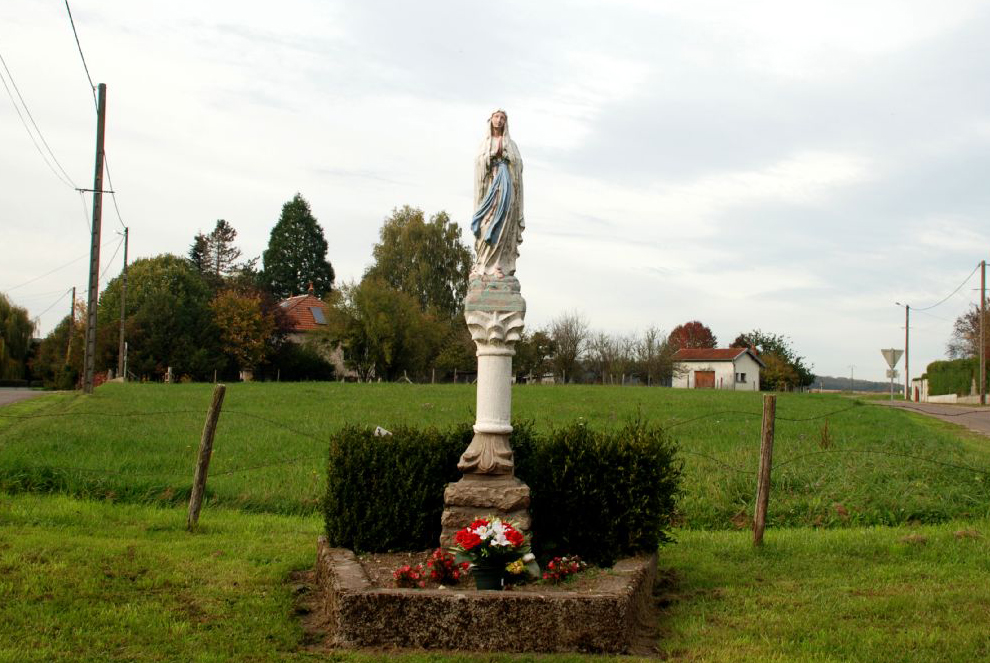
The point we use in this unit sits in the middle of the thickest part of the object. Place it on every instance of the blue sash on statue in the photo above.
(499, 196)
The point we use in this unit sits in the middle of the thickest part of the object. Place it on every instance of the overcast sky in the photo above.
(796, 167)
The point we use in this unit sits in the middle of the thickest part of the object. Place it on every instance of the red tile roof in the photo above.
(714, 354)
(299, 312)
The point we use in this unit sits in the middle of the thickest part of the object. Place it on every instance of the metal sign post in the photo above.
(892, 356)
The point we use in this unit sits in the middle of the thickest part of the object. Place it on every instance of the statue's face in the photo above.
(498, 120)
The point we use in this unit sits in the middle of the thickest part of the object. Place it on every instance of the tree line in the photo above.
(211, 314)
(206, 314)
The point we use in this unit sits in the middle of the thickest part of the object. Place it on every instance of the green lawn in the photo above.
(86, 580)
(137, 443)
(117, 576)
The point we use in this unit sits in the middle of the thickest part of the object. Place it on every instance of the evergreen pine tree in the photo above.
(223, 254)
(297, 253)
(198, 252)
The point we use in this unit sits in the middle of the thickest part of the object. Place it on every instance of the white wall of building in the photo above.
(726, 373)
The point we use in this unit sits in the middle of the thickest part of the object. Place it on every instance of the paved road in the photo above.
(10, 395)
(974, 417)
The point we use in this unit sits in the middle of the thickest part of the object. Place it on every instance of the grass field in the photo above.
(118, 577)
(137, 443)
(87, 580)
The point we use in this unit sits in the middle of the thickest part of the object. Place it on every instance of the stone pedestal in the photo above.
(494, 310)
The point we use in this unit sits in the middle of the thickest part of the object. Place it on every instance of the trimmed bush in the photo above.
(598, 494)
(386, 493)
(952, 377)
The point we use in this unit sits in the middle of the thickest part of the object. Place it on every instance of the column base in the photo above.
(479, 495)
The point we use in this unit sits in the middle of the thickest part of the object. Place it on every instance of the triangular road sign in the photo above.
(892, 356)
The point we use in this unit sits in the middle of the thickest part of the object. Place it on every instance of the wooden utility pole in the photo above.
(121, 369)
(766, 461)
(72, 326)
(983, 333)
(907, 355)
(89, 361)
(205, 453)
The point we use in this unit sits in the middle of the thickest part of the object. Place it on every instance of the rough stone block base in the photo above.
(555, 620)
(478, 495)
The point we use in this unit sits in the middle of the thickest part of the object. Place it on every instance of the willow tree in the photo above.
(15, 340)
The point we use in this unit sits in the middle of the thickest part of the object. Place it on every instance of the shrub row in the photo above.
(952, 377)
(600, 494)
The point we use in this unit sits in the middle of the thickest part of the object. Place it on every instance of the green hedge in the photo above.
(598, 494)
(952, 377)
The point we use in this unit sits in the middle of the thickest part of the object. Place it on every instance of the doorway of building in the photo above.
(704, 379)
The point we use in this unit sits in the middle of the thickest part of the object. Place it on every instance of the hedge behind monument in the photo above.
(598, 494)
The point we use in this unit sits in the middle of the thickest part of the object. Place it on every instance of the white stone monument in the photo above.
(494, 310)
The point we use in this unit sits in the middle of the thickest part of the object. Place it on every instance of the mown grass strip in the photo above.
(85, 580)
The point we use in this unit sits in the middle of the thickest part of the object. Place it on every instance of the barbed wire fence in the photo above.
(762, 472)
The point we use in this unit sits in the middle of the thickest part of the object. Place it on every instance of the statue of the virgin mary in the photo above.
(498, 200)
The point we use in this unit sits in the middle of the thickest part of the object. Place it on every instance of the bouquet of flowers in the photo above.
(560, 568)
(493, 543)
(443, 569)
(409, 576)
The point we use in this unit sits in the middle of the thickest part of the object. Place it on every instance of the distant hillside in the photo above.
(830, 383)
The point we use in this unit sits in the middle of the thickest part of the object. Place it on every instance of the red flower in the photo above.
(467, 539)
(514, 537)
(480, 522)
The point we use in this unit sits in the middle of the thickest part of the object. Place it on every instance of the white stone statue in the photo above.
(498, 201)
(494, 310)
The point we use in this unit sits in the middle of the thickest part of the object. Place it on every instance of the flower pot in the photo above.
(488, 577)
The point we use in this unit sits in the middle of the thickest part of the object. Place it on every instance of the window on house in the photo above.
(740, 377)
(318, 315)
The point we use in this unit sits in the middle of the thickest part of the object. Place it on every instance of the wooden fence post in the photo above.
(205, 452)
(766, 461)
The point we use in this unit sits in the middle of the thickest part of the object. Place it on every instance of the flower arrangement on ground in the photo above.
(561, 568)
(493, 544)
(444, 569)
(409, 576)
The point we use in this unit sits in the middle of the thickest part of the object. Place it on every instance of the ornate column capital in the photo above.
(495, 312)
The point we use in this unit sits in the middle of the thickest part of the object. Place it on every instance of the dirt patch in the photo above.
(378, 567)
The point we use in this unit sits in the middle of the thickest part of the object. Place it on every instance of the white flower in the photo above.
(528, 557)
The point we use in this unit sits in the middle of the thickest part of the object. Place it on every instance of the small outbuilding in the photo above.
(737, 369)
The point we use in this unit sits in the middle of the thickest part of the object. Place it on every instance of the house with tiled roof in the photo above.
(717, 368)
(305, 314)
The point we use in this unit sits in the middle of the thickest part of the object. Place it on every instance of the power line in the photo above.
(113, 191)
(33, 123)
(965, 281)
(930, 316)
(37, 318)
(28, 130)
(82, 199)
(38, 278)
(92, 87)
(38, 295)
(110, 262)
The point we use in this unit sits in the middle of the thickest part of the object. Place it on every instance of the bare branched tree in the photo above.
(965, 339)
(654, 355)
(570, 334)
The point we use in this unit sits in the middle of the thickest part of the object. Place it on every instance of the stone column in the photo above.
(494, 310)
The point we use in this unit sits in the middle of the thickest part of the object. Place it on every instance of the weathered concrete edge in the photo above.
(364, 616)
